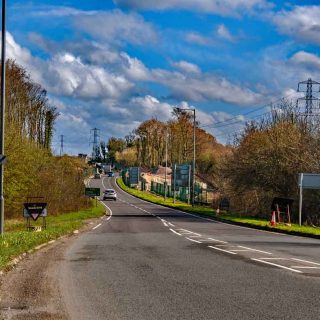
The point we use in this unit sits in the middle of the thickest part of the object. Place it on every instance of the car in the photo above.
(109, 194)
(110, 174)
(97, 176)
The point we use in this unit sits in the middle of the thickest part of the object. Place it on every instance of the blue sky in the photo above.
(112, 64)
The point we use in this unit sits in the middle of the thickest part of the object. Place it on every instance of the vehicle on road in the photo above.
(97, 176)
(110, 174)
(109, 194)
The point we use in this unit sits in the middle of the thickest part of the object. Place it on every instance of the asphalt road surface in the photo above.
(149, 262)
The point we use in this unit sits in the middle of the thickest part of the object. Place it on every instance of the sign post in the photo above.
(34, 210)
(92, 193)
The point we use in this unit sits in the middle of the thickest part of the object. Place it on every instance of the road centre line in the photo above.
(97, 226)
(193, 240)
(255, 250)
(210, 220)
(212, 247)
(175, 232)
(301, 260)
(276, 265)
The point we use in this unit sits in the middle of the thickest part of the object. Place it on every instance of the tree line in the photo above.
(263, 161)
(31, 169)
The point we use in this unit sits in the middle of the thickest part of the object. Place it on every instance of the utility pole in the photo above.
(95, 143)
(307, 87)
(2, 106)
(61, 145)
(165, 172)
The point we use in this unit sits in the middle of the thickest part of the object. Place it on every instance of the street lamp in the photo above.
(2, 111)
(180, 111)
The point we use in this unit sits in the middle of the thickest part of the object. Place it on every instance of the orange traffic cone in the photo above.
(273, 219)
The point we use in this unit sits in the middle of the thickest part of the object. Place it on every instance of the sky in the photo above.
(111, 64)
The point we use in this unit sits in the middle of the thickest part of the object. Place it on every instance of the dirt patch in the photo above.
(30, 289)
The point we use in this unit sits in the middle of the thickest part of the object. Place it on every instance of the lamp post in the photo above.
(2, 112)
(180, 111)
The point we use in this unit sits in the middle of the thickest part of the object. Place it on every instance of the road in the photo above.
(149, 262)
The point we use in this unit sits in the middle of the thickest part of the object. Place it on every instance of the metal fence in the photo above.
(202, 196)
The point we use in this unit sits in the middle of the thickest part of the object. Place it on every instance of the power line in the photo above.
(246, 113)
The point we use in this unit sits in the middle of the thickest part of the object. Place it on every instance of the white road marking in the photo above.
(255, 250)
(276, 265)
(110, 211)
(317, 264)
(304, 267)
(240, 250)
(97, 226)
(221, 250)
(217, 240)
(170, 224)
(175, 232)
(263, 258)
(164, 224)
(193, 240)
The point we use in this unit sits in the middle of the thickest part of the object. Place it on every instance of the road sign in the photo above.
(134, 174)
(92, 192)
(35, 210)
(181, 176)
(307, 181)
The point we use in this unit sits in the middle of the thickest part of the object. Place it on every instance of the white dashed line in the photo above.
(170, 224)
(175, 232)
(273, 258)
(193, 240)
(276, 265)
(255, 250)
(217, 240)
(221, 250)
(317, 264)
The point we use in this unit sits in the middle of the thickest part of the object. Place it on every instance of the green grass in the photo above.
(17, 240)
(233, 218)
(265, 224)
(168, 202)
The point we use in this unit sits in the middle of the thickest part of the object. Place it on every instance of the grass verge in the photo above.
(252, 222)
(169, 201)
(17, 240)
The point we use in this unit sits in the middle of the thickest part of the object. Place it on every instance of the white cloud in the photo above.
(205, 87)
(224, 33)
(302, 23)
(197, 38)
(225, 8)
(306, 59)
(151, 107)
(68, 75)
(59, 11)
(134, 68)
(186, 66)
(117, 27)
